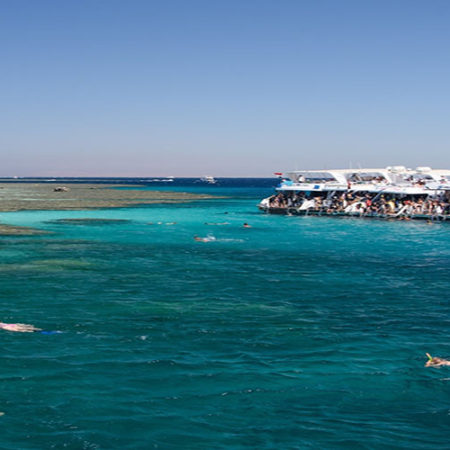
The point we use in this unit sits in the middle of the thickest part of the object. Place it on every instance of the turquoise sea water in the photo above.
(300, 332)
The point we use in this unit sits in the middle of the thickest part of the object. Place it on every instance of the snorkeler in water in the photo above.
(25, 328)
(208, 238)
(20, 327)
(436, 362)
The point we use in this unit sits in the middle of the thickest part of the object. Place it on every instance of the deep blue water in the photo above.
(300, 332)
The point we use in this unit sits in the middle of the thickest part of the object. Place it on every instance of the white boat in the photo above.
(161, 180)
(320, 191)
(208, 179)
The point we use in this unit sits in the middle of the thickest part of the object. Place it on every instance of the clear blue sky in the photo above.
(226, 88)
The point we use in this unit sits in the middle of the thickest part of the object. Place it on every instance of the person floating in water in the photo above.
(20, 327)
(208, 238)
(436, 362)
(25, 328)
(246, 225)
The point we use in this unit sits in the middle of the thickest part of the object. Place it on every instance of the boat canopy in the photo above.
(342, 176)
(312, 176)
(393, 179)
(440, 175)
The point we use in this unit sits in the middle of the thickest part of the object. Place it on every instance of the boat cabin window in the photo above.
(316, 177)
(365, 177)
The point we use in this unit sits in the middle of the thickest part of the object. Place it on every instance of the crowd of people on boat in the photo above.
(362, 204)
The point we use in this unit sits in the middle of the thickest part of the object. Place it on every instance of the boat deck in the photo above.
(290, 211)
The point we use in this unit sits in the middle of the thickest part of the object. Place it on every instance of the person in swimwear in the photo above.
(436, 362)
(20, 327)
(246, 225)
(204, 239)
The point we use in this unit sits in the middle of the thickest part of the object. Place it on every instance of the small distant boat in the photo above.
(208, 179)
(161, 180)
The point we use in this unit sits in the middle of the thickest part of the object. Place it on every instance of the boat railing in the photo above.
(311, 207)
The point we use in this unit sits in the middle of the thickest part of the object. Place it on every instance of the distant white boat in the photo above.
(161, 180)
(208, 179)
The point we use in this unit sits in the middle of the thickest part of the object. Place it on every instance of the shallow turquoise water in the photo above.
(300, 332)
